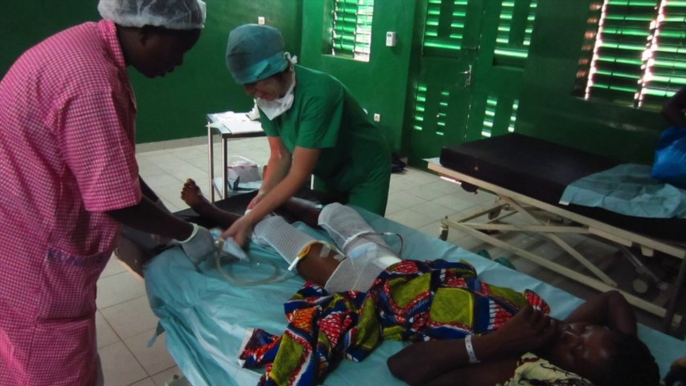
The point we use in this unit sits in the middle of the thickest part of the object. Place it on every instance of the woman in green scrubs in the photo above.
(314, 126)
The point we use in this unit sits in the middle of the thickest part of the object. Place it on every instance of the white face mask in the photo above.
(273, 109)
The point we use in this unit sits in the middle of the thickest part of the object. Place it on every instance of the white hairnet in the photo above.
(171, 14)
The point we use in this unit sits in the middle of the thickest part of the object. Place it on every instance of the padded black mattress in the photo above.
(542, 170)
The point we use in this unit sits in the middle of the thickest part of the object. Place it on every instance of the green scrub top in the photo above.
(355, 160)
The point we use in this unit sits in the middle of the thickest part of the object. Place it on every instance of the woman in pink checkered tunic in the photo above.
(70, 178)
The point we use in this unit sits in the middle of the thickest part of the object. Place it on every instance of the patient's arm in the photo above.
(296, 208)
(442, 362)
(192, 196)
(423, 362)
(486, 374)
(607, 309)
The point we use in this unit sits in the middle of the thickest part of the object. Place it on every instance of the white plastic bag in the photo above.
(243, 172)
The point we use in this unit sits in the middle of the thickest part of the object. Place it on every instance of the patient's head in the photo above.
(604, 356)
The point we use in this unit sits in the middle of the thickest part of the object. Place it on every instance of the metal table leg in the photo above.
(225, 147)
(210, 145)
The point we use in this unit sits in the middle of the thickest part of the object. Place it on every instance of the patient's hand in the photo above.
(527, 331)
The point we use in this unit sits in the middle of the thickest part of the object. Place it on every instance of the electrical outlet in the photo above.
(261, 20)
(377, 117)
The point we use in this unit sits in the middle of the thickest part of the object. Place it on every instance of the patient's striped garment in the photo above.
(410, 300)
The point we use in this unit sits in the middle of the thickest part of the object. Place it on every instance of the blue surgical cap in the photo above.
(255, 52)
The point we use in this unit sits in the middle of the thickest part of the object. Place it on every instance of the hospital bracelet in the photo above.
(470, 350)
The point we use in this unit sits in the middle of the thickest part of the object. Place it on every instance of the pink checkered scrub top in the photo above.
(67, 156)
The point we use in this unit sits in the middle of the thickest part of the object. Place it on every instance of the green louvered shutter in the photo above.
(514, 32)
(420, 107)
(352, 29)
(618, 60)
(444, 29)
(666, 59)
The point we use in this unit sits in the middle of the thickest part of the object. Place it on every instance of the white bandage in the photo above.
(199, 245)
(284, 238)
(367, 254)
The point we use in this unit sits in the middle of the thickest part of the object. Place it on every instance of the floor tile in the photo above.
(432, 209)
(455, 203)
(113, 267)
(118, 288)
(410, 218)
(154, 359)
(163, 377)
(145, 382)
(183, 172)
(106, 335)
(119, 366)
(392, 207)
(404, 199)
(130, 318)
(426, 193)
(162, 178)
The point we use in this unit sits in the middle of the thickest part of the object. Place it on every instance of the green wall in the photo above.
(548, 109)
(174, 106)
(380, 85)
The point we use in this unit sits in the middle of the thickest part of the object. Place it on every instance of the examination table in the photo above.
(206, 319)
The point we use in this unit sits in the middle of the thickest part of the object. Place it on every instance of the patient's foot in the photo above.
(192, 196)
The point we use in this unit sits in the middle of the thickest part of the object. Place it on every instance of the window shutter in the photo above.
(419, 108)
(494, 123)
(666, 59)
(514, 32)
(444, 27)
(352, 29)
(618, 58)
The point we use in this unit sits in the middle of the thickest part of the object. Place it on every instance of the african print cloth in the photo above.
(534, 371)
(410, 300)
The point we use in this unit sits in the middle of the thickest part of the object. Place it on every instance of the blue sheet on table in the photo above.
(627, 189)
(206, 318)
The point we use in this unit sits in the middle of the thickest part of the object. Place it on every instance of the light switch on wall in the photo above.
(377, 117)
(391, 39)
(261, 20)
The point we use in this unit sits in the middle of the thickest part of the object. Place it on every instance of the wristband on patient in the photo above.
(470, 350)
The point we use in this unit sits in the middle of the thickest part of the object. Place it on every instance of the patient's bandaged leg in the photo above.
(367, 255)
(283, 237)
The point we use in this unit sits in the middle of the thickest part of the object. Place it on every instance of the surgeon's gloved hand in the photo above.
(199, 245)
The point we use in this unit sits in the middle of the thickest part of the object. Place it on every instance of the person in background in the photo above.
(673, 110)
(314, 126)
(70, 179)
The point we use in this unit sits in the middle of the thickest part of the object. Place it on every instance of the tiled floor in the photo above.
(417, 199)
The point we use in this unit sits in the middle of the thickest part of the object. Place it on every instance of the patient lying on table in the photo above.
(347, 309)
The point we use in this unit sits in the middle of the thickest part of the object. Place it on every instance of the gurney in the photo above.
(206, 319)
(528, 176)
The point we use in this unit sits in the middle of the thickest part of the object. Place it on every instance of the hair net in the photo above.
(171, 14)
(255, 52)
